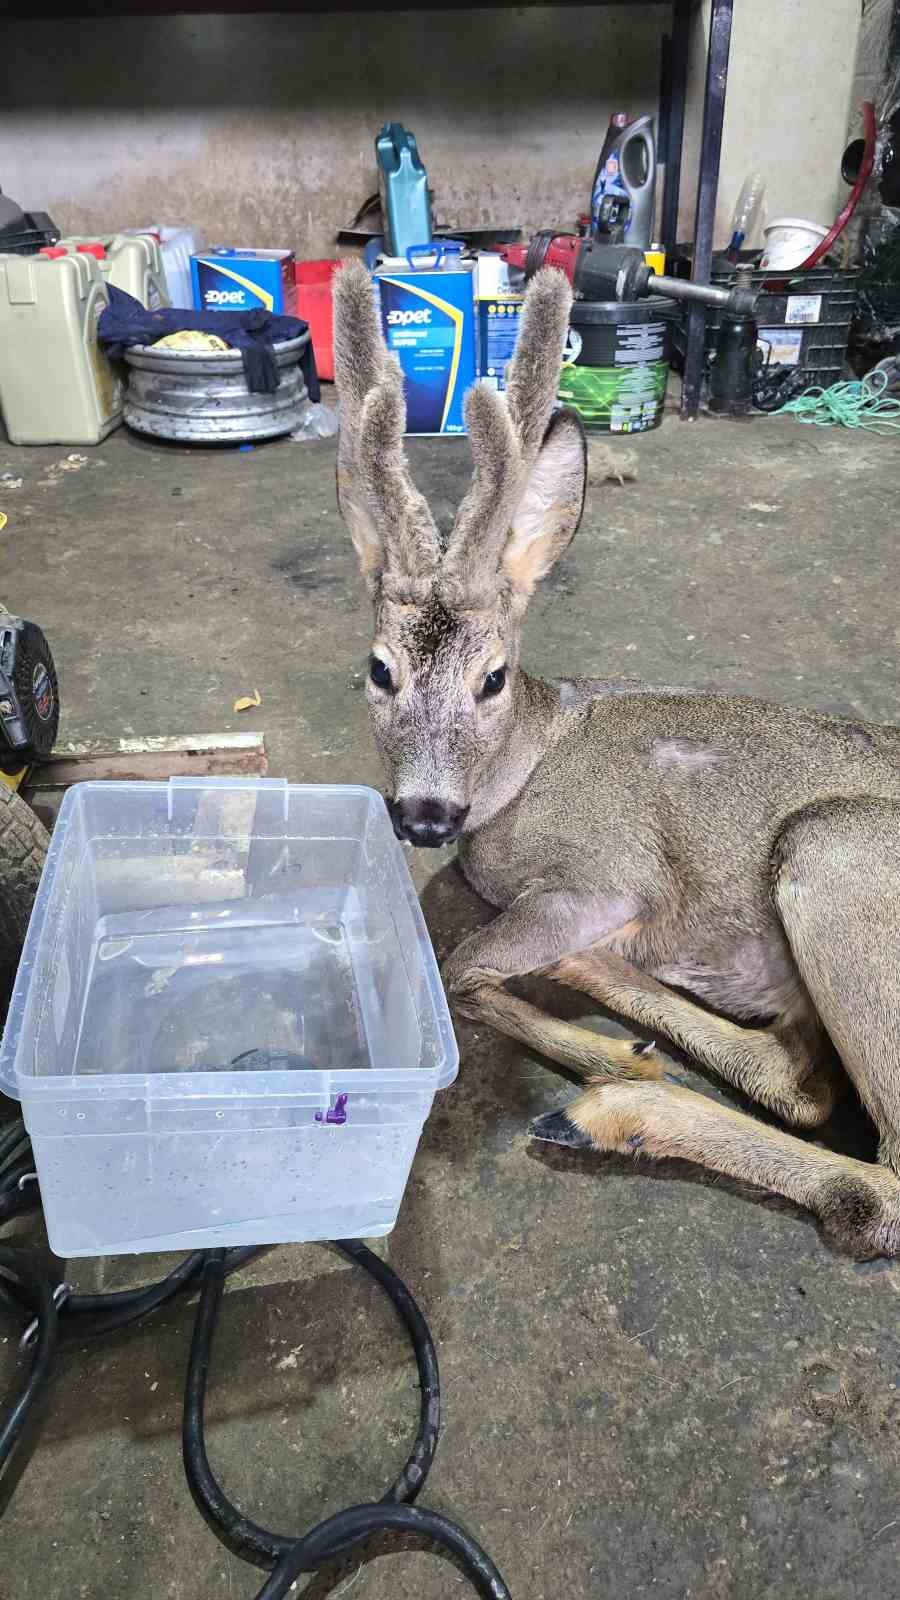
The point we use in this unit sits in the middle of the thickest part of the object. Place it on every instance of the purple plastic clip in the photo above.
(336, 1113)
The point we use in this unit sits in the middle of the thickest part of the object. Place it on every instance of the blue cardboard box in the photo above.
(244, 280)
(429, 322)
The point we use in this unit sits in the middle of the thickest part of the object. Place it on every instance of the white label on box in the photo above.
(804, 308)
(780, 346)
(491, 275)
(62, 994)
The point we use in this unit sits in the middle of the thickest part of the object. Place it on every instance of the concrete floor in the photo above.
(655, 1383)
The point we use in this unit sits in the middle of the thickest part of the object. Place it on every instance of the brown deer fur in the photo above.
(637, 843)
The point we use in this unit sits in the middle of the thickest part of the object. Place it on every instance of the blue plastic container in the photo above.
(403, 182)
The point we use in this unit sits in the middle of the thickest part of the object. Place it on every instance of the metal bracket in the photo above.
(60, 1295)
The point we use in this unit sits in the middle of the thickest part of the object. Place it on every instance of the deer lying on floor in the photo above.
(636, 843)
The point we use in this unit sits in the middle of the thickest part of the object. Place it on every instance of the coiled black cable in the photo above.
(56, 1317)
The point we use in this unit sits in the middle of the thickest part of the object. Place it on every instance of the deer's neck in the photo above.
(537, 709)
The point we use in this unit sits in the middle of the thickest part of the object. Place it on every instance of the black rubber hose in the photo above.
(11, 1139)
(9, 1179)
(245, 1537)
(290, 1556)
(14, 1419)
(421, 1456)
(358, 1523)
(95, 1315)
(18, 1201)
(90, 1316)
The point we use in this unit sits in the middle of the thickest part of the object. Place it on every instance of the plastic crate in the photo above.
(803, 321)
(227, 1025)
(40, 230)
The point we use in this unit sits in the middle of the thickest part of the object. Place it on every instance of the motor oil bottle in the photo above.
(56, 384)
(403, 184)
(623, 196)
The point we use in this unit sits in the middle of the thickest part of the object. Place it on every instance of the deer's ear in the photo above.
(549, 512)
(366, 539)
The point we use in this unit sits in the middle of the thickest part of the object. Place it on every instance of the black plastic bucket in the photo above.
(616, 363)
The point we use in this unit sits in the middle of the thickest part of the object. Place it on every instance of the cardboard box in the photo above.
(498, 330)
(429, 322)
(492, 276)
(244, 280)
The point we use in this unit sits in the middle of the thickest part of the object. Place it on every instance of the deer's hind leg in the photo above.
(787, 1068)
(837, 889)
(858, 1203)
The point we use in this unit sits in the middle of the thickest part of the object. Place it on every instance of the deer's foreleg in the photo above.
(537, 930)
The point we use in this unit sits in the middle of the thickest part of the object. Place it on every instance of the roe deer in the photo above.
(635, 842)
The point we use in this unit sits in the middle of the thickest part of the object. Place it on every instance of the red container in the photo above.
(313, 280)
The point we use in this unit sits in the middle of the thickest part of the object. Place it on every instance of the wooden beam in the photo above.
(189, 755)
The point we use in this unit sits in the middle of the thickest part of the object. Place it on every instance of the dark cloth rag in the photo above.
(126, 322)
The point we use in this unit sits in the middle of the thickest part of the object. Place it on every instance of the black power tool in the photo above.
(615, 272)
(601, 271)
(29, 698)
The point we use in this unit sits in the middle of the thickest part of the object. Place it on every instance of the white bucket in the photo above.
(789, 241)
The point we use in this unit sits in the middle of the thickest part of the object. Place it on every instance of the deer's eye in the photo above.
(494, 683)
(380, 673)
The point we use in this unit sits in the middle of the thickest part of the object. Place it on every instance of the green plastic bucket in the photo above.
(616, 363)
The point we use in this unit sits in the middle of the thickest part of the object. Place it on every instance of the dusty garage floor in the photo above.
(655, 1383)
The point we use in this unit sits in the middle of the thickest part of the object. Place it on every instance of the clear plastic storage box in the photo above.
(228, 1025)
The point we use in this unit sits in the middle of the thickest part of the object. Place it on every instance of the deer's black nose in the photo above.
(427, 823)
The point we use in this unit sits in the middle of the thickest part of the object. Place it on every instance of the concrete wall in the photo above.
(871, 63)
(260, 129)
(789, 88)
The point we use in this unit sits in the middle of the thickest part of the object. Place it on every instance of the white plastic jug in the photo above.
(56, 384)
(177, 245)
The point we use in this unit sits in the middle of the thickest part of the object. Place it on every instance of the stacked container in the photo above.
(129, 261)
(177, 246)
(56, 384)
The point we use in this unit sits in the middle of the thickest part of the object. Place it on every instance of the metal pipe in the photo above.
(676, 85)
(683, 289)
(710, 155)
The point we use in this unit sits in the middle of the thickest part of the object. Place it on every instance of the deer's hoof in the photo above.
(556, 1128)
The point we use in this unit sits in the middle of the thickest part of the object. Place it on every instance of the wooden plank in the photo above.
(200, 756)
(187, 743)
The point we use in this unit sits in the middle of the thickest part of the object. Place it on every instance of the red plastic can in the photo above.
(313, 280)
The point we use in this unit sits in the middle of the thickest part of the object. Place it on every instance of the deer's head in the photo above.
(442, 685)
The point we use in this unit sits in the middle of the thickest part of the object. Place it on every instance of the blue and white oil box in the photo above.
(227, 279)
(499, 319)
(429, 321)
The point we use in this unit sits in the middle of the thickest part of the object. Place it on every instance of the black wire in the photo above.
(14, 1419)
(19, 1201)
(358, 1523)
(243, 1536)
(291, 1556)
(9, 1180)
(421, 1456)
(89, 1316)
(11, 1139)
